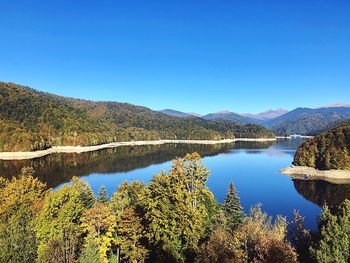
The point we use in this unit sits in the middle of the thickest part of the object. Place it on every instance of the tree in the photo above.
(257, 240)
(232, 208)
(102, 195)
(334, 235)
(175, 209)
(96, 222)
(59, 230)
(223, 246)
(301, 238)
(131, 237)
(127, 195)
(20, 202)
(265, 241)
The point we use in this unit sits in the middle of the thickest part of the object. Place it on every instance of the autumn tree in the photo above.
(301, 238)
(131, 237)
(265, 241)
(130, 234)
(59, 229)
(20, 202)
(222, 246)
(98, 223)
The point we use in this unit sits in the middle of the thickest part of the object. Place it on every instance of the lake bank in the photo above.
(81, 149)
(332, 176)
(295, 136)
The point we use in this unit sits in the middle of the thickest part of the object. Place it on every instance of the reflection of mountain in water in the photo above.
(320, 192)
(56, 169)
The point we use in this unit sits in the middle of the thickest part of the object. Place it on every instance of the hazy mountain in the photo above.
(194, 114)
(266, 115)
(176, 113)
(335, 105)
(231, 116)
(308, 121)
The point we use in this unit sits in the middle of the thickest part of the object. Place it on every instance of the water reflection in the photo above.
(60, 168)
(321, 192)
(253, 166)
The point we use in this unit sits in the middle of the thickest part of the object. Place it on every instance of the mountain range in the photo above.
(303, 121)
(34, 120)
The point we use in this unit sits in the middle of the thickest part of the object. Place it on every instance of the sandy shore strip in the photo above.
(80, 149)
(294, 137)
(310, 173)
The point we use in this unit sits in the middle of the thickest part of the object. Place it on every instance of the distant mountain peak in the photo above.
(223, 112)
(266, 115)
(335, 105)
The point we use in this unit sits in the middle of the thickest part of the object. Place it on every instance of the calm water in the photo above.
(253, 167)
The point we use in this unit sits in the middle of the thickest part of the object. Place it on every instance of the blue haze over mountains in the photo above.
(303, 121)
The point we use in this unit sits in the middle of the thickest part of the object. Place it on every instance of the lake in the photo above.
(252, 166)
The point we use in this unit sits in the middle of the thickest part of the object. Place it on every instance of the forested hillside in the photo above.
(32, 120)
(307, 121)
(329, 150)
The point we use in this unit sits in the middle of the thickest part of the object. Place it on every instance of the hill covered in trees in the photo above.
(33, 120)
(329, 150)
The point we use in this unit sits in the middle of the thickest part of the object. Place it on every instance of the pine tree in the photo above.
(334, 235)
(102, 195)
(232, 208)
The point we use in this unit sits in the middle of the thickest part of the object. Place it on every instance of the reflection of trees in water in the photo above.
(320, 192)
(59, 168)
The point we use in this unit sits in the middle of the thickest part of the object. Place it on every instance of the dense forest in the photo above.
(174, 218)
(32, 120)
(329, 150)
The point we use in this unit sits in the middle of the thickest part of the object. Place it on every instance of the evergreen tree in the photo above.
(87, 196)
(102, 195)
(232, 208)
(334, 241)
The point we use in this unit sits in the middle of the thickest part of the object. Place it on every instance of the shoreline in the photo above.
(294, 137)
(331, 176)
(81, 149)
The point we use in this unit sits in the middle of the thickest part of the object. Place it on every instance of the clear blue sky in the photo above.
(201, 56)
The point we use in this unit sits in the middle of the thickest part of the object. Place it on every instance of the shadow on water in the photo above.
(321, 192)
(56, 169)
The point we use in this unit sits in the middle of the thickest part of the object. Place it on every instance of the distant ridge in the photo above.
(231, 116)
(335, 105)
(266, 115)
(306, 121)
(303, 121)
(176, 113)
